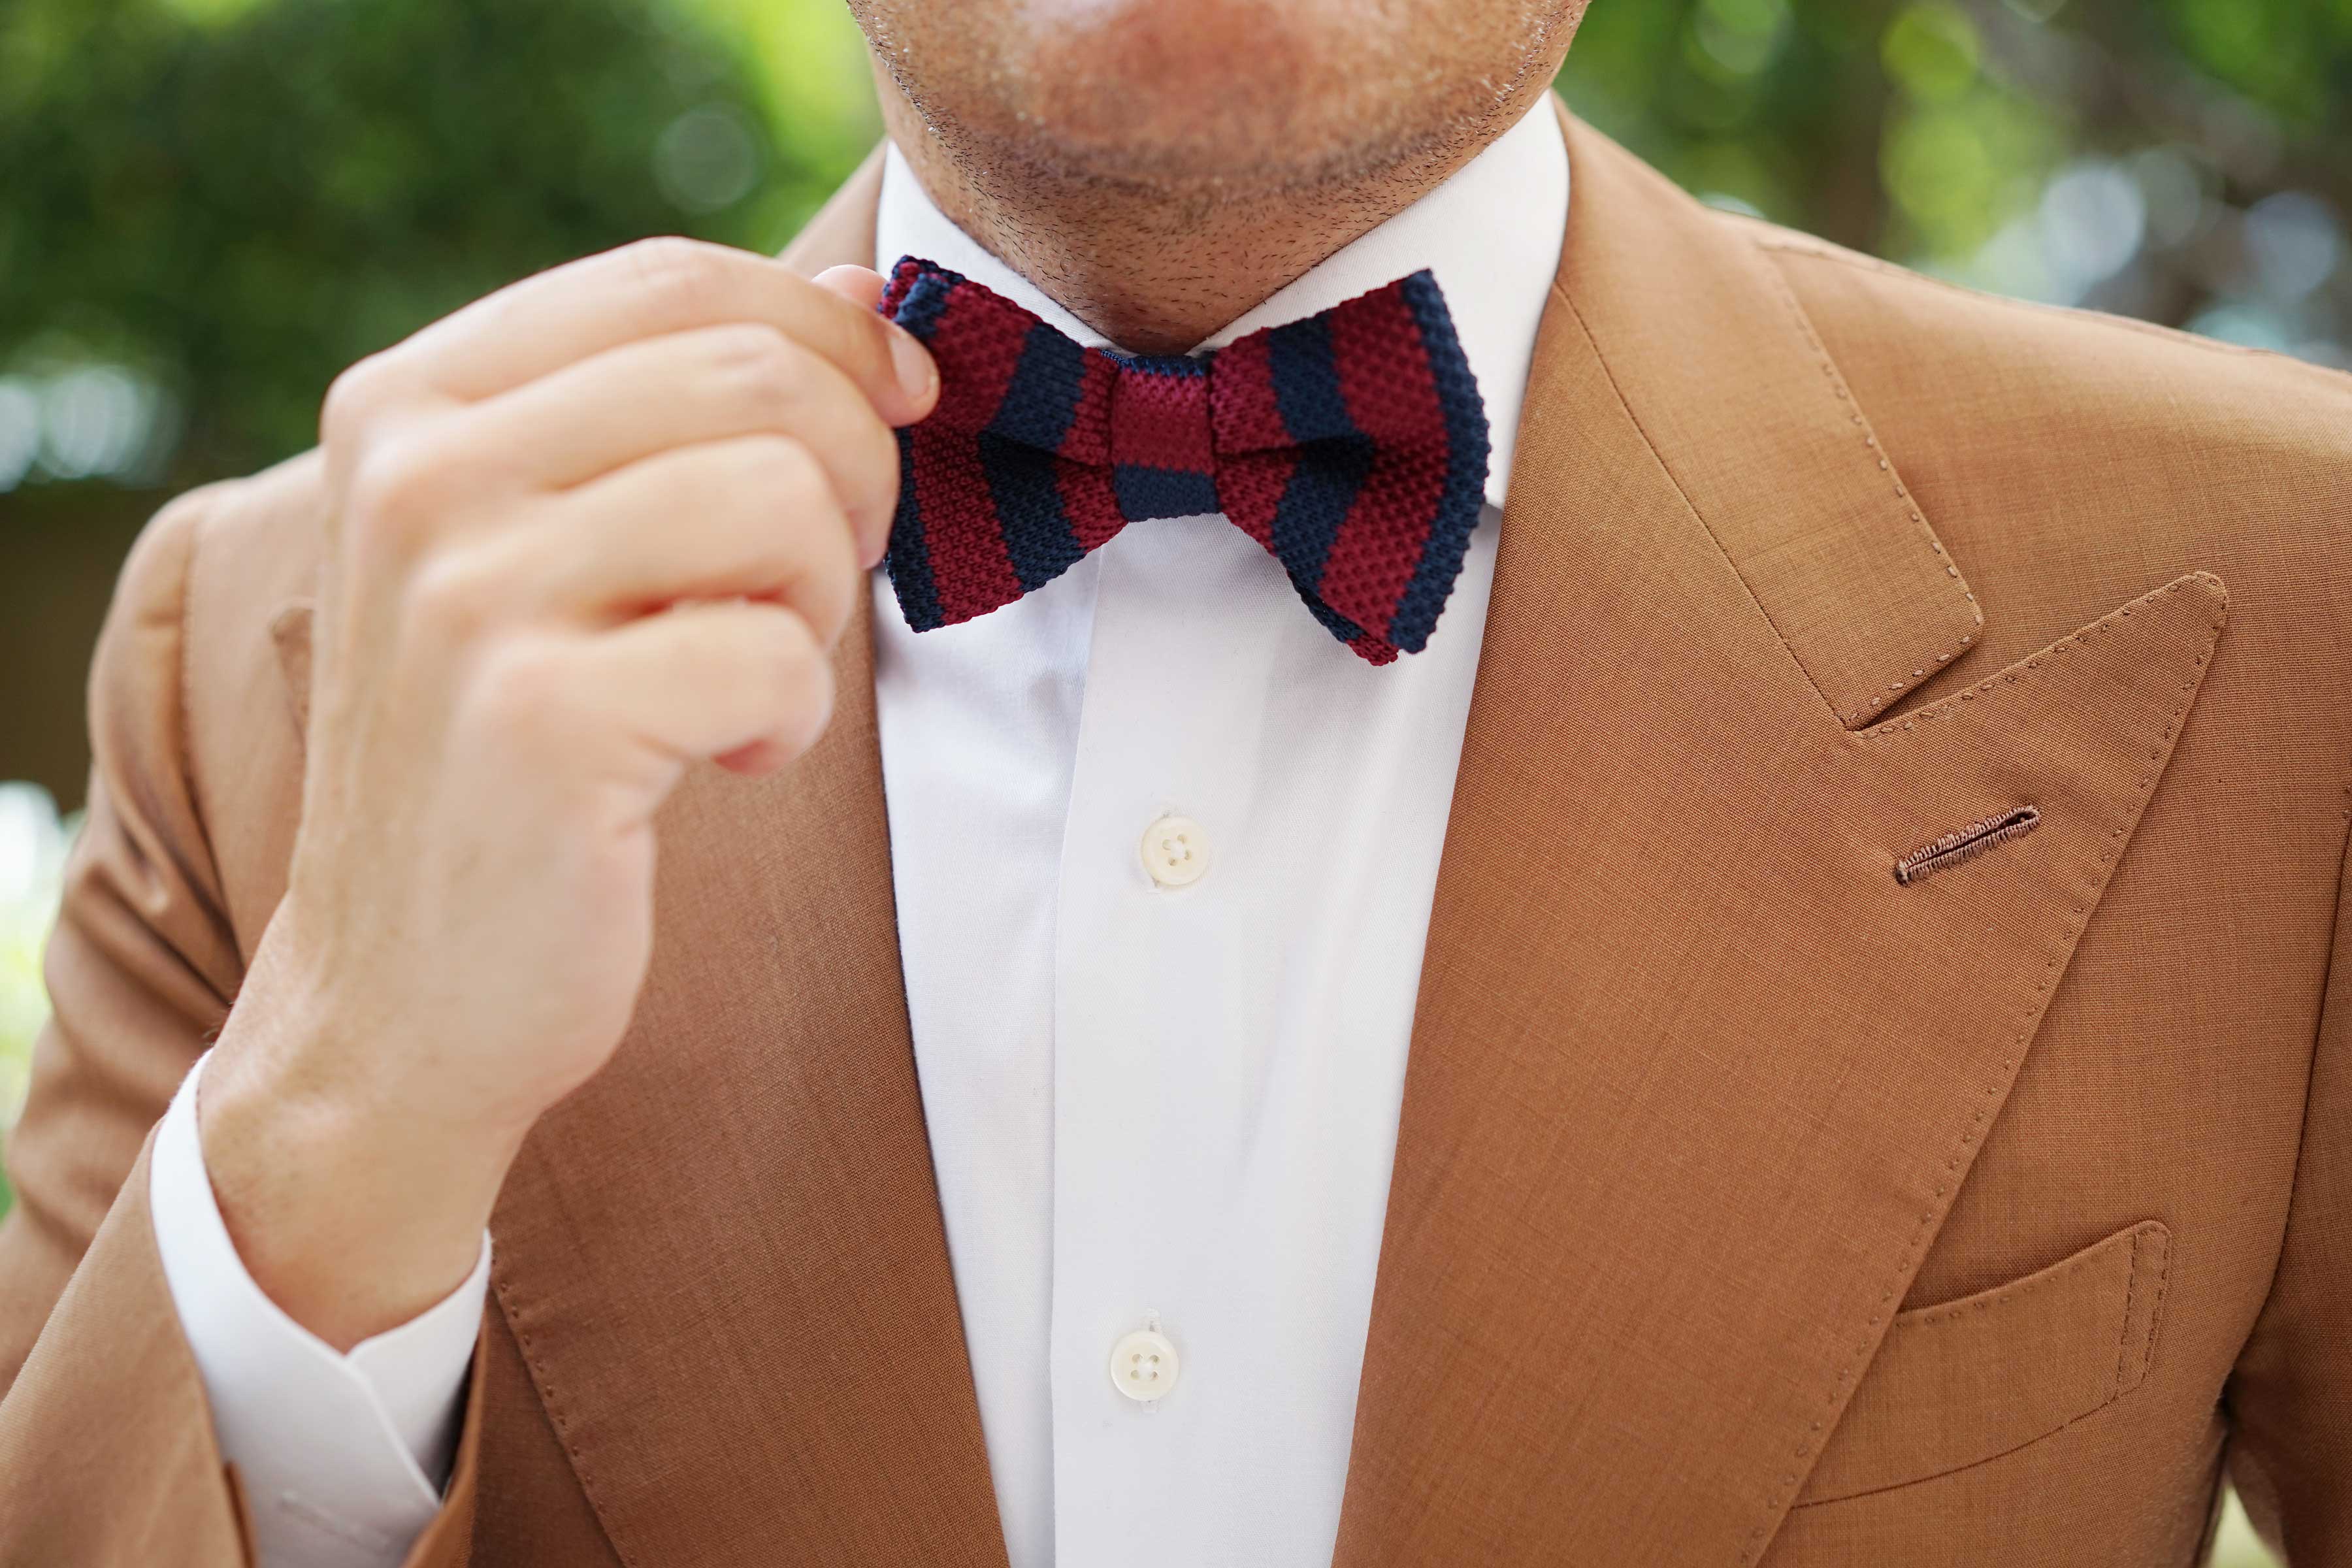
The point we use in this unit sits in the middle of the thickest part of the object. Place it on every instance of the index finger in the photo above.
(653, 287)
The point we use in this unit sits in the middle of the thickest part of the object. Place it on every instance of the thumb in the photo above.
(859, 285)
(918, 375)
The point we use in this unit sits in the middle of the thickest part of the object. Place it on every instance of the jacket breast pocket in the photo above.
(1971, 1380)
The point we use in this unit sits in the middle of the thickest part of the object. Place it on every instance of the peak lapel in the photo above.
(1694, 1077)
(1752, 425)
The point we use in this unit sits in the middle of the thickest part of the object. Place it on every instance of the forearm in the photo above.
(352, 1212)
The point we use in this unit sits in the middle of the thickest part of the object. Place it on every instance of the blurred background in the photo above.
(208, 208)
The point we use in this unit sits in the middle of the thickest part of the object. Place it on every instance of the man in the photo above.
(1796, 1024)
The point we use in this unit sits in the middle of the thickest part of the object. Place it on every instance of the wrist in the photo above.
(353, 1213)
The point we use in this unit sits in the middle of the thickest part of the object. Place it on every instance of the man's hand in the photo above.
(586, 532)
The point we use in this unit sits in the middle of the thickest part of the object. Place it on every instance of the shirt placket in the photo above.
(1153, 1055)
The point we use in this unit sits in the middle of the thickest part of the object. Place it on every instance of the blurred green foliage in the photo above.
(2186, 161)
(232, 200)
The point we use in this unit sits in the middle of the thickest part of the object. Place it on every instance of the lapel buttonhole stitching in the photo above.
(1963, 844)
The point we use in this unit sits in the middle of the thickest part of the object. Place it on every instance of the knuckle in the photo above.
(352, 401)
(519, 690)
(790, 647)
(762, 367)
(814, 562)
(876, 465)
(394, 493)
(672, 272)
(830, 584)
(800, 679)
(779, 467)
(452, 597)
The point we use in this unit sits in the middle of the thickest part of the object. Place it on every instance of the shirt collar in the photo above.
(1491, 233)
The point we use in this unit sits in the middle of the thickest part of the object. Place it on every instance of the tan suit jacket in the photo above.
(1749, 1203)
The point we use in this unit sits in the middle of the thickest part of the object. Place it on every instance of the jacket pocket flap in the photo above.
(1971, 1380)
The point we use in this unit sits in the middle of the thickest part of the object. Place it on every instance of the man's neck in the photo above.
(1155, 267)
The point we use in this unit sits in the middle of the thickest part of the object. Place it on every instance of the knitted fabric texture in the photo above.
(1351, 445)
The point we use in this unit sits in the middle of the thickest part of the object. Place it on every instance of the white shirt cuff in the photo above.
(342, 1457)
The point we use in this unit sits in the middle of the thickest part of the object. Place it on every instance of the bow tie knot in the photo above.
(1163, 453)
(1351, 446)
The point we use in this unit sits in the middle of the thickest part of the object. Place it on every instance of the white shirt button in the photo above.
(1175, 851)
(1143, 1365)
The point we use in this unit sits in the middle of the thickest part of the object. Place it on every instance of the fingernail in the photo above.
(916, 375)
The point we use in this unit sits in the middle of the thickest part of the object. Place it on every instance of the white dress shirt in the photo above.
(1163, 853)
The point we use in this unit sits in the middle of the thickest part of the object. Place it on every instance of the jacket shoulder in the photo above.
(236, 566)
(1943, 349)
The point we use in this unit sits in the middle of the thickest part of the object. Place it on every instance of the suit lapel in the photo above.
(1694, 1077)
(723, 1259)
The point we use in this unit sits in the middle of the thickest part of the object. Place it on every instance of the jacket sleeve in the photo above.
(106, 1451)
(2289, 1397)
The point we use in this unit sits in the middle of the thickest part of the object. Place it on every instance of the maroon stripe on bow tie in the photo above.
(968, 563)
(1249, 413)
(1258, 456)
(1090, 503)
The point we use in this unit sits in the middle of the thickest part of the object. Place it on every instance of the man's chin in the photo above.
(1181, 90)
(1211, 100)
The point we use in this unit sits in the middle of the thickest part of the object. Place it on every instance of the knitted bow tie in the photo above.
(1351, 445)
